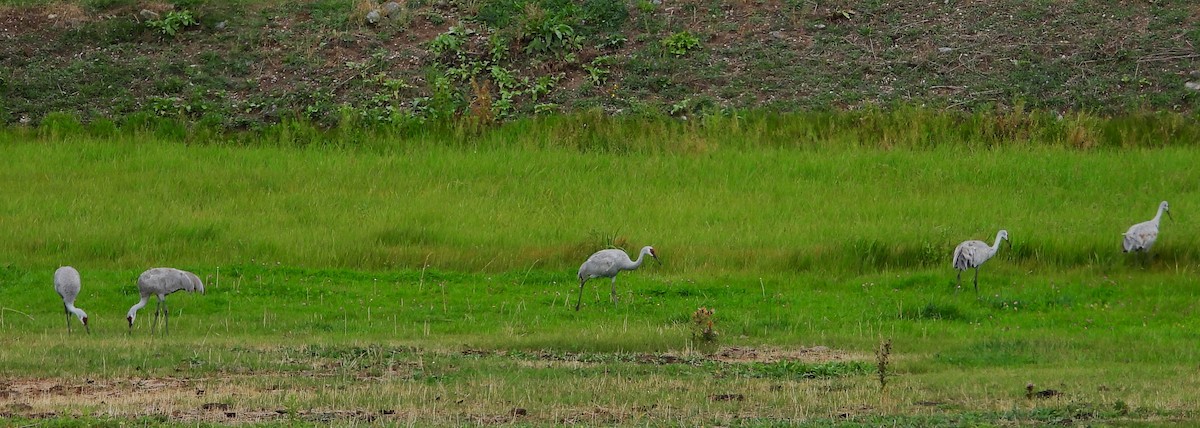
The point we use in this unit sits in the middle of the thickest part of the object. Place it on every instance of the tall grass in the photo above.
(901, 127)
(734, 195)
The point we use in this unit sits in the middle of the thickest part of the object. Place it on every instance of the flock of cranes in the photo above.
(160, 282)
(971, 254)
(157, 282)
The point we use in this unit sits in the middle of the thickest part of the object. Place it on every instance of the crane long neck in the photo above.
(140, 304)
(78, 312)
(638, 263)
(996, 245)
(1158, 215)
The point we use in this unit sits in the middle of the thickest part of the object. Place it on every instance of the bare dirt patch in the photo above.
(731, 355)
(816, 354)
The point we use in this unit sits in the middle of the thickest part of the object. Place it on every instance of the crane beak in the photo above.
(1169, 215)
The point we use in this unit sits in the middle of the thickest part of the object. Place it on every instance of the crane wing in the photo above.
(1140, 236)
(967, 254)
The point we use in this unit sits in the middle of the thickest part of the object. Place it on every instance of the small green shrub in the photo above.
(450, 43)
(598, 70)
(681, 43)
(550, 37)
(173, 22)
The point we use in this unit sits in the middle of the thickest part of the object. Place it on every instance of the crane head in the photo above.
(84, 319)
(650, 250)
(130, 319)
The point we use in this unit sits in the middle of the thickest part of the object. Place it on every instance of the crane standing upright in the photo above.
(1141, 236)
(971, 254)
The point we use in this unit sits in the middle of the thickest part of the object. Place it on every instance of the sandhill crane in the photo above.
(607, 264)
(161, 282)
(67, 284)
(1142, 235)
(971, 254)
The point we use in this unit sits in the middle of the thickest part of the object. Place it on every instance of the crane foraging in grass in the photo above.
(161, 282)
(67, 284)
(1141, 236)
(971, 254)
(607, 264)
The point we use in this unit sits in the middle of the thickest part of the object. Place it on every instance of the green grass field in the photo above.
(398, 281)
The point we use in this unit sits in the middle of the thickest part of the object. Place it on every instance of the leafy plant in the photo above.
(451, 42)
(498, 47)
(597, 70)
(645, 6)
(703, 325)
(681, 43)
(550, 37)
(173, 22)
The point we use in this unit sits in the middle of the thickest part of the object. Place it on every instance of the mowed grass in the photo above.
(275, 344)
(424, 285)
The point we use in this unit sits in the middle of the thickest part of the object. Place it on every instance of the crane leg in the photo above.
(68, 318)
(614, 291)
(958, 283)
(166, 319)
(577, 302)
(157, 309)
(976, 281)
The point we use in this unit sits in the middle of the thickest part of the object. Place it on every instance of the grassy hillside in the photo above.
(245, 63)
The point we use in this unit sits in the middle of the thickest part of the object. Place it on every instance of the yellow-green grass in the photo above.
(132, 201)
(438, 282)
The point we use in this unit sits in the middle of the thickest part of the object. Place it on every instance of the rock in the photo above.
(778, 35)
(819, 26)
(374, 16)
(221, 25)
(1193, 85)
(656, 2)
(148, 14)
(52, 16)
(392, 9)
(945, 50)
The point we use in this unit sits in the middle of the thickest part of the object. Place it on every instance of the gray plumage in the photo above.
(971, 254)
(67, 284)
(607, 264)
(1141, 236)
(161, 282)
